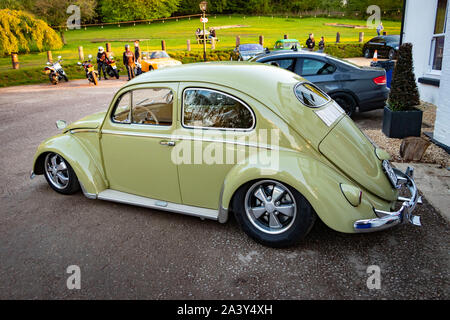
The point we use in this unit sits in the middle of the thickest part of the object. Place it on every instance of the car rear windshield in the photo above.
(310, 95)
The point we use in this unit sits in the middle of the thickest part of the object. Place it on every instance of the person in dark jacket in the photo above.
(310, 43)
(321, 44)
(101, 63)
(129, 61)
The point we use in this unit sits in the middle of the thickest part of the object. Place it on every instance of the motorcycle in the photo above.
(91, 73)
(55, 71)
(137, 68)
(111, 68)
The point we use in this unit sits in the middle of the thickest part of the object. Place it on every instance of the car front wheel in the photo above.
(391, 54)
(273, 213)
(60, 175)
(367, 53)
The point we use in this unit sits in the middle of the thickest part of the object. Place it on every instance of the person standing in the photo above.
(101, 63)
(380, 28)
(137, 57)
(310, 43)
(129, 61)
(321, 44)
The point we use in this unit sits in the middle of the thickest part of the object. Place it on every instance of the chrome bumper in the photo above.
(404, 214)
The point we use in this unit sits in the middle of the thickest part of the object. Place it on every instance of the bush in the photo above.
(21, 32)
(344, 50)
(404, 93)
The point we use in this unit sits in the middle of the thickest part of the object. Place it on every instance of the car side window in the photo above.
(313, 67)
(148, 106)
(122, 111)
(205, 108)
(288, 64)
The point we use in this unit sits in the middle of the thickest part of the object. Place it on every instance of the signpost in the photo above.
(203, 5)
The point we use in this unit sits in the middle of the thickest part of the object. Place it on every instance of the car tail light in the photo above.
(380, 80)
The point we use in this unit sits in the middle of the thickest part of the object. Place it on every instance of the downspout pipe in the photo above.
(403, 22)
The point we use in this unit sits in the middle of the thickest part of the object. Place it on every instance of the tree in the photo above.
(404, 93)
(55, 11)
(128, 10)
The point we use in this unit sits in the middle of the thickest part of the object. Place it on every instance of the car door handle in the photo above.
(167, 143)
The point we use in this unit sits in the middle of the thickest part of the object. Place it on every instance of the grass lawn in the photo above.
(175, 33)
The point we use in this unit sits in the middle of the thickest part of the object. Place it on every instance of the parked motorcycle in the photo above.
(91, 73)
(137, 68)
(111, 68)
(55, 71)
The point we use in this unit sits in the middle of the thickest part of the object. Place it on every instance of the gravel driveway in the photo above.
(129, 252)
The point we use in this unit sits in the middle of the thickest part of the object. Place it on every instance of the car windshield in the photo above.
(159, 55)
(310, 95)
(250, 47)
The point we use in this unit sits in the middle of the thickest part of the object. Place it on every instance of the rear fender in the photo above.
(88, 173)
(317, 182)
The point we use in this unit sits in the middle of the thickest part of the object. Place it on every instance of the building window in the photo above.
(437, 43)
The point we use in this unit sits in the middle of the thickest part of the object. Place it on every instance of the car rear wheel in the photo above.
(60, 175)
(346, 102)
(391, 54)
(272, 213)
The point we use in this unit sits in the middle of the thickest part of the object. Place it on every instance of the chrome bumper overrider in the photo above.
(404, 214)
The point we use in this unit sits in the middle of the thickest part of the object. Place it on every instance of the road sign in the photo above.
(203, 20)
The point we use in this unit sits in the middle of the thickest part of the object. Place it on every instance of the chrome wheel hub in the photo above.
(270, 206)
(56, 170)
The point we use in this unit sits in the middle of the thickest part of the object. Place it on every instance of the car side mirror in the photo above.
(61, 124)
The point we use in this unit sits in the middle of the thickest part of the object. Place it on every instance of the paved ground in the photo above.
(130, 252)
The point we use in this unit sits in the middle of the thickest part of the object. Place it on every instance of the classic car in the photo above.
(154, 60)
(351, 86)
(287, 44)
(267, 146)
(249, 50)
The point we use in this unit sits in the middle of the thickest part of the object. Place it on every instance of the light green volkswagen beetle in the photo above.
(211, 139)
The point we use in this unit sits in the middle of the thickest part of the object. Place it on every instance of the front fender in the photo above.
(71, 149)
(316, 181)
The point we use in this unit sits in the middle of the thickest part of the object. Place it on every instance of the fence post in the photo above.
(238, 41)
(261, 40)
(80, 53)
(361, 37)
(286, 36)
(338, 37)
(108, 47)
(15, 60)
(188, 44)
(163, 45)
(49, 56)
(213, 43)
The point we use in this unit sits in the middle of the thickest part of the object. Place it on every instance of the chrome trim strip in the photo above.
(213, 128)
(178, 137)
(127, 198)
(388, 219)
(223, 213)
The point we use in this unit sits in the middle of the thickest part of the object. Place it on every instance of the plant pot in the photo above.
(401, 124)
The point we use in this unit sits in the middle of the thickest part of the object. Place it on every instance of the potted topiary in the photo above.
(401, 118)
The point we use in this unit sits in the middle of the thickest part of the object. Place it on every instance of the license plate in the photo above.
(390, 173)
(90, 69)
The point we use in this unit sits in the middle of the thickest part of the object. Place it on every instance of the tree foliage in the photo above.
(404, 93)
(129, 10)
(21, 32)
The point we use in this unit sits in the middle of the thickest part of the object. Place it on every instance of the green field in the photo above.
(175, 33)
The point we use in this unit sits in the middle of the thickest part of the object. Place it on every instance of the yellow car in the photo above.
(157, 60)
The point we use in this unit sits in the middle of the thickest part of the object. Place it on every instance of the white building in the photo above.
(425, 27)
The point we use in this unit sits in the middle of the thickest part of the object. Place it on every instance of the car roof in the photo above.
(260, 81)
(275, 53)
(287, 40)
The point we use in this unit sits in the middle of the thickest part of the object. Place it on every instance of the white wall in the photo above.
(418, 30)
(442, 124)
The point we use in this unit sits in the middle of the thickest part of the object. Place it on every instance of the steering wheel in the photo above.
(153, 116)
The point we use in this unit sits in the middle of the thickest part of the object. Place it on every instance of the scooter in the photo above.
(91, 73)
(111, 68)
(55, 71)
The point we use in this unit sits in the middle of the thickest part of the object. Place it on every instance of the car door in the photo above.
(215, 129)
(136, 142)
(319, 71)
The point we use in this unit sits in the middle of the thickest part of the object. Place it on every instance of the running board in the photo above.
(127, 198)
